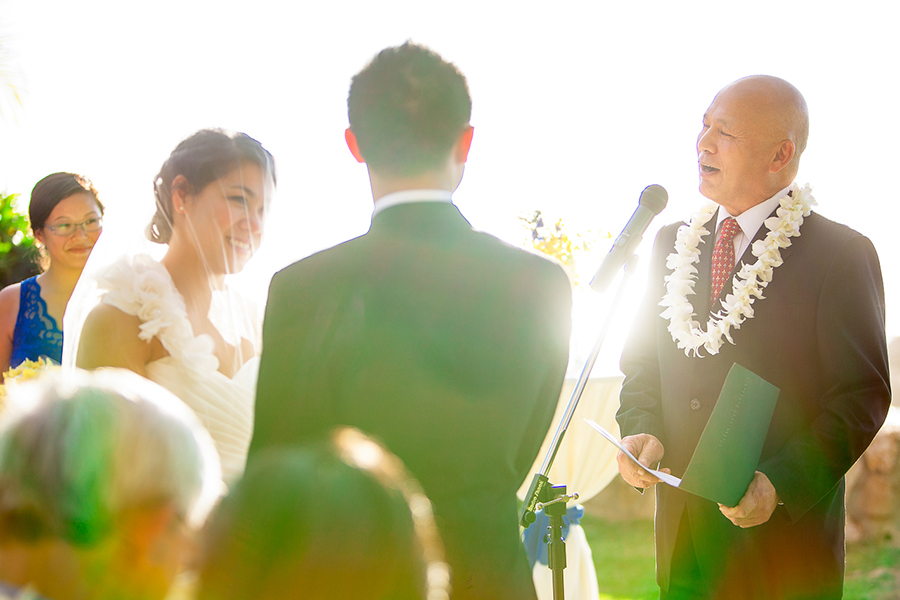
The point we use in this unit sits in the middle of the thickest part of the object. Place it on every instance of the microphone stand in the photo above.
(542, 494)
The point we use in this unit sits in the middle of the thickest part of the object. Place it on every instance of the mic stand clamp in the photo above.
(555, 509)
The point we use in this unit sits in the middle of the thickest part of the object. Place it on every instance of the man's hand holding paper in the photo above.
(648, 451)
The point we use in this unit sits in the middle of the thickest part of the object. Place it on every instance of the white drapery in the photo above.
(585, 463)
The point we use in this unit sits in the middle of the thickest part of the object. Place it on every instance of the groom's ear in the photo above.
(463, 144)
(350, 138)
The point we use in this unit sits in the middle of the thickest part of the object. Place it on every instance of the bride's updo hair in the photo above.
(202, 158)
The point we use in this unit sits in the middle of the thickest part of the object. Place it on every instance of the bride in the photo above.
(176, 321)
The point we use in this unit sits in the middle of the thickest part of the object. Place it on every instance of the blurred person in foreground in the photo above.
(447, 344)
(817, 333)
(103, 478)
(66, 218)
(338, 518)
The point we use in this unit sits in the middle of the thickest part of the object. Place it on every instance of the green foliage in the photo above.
(18, 253)
(10, 82)
(557, 241)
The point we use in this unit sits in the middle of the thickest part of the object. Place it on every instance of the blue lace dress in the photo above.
(36, 333)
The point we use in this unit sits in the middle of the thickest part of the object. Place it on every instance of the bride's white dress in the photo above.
(140, 286)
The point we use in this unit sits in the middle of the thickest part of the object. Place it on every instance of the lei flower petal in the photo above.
(747, 285)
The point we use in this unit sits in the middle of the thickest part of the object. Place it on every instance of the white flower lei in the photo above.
(748, 284)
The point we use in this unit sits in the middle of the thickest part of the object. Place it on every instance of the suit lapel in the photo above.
(704, 278)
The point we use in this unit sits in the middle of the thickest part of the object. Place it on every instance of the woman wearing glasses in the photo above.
(177, 320)
(66, 218)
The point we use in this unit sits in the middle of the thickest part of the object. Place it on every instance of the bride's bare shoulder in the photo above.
(110, 338)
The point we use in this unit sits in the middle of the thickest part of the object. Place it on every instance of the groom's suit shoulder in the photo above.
(320, 260)
(354, 260)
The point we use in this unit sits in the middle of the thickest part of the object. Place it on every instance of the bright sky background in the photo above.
(577, 106)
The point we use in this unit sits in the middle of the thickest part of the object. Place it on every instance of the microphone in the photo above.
(653, 200)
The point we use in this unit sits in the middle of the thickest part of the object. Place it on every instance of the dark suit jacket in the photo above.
(448, 345)
(819, 336)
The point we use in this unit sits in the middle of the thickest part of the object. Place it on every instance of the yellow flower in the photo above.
(27, 370)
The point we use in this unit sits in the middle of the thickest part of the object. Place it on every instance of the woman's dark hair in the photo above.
(53, 189)
(202, 158)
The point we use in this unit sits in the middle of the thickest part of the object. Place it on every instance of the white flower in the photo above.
(142, 287)
(747, 285)
(152, 286)
(197, 355)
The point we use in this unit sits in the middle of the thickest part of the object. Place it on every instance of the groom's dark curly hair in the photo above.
(407, 109)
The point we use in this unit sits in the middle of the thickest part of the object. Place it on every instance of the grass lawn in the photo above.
(623, 556)
(873, 572)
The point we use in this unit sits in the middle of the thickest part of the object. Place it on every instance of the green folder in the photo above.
(726, 457)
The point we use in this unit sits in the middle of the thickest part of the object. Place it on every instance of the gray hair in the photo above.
(79, 449)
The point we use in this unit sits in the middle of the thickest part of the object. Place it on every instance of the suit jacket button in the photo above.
(695, 404)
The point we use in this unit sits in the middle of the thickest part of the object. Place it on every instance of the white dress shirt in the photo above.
(749, 222)
(411, 196)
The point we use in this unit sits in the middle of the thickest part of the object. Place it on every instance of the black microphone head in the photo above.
(654, 197)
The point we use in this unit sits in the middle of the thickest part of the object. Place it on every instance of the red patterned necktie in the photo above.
(723, 257)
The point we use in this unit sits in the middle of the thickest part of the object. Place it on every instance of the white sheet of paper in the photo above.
(664, 477)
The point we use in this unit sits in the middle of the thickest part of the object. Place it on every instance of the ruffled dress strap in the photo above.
(36, 333)
(142, 287)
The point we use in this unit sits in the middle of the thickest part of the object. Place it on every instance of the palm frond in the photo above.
(11, 82)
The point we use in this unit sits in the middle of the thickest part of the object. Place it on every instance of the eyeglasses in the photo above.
(66, 229)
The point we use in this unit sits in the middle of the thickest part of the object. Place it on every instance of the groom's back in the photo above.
(448, 345)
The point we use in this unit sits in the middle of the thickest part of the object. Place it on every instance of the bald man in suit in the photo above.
(817, 334)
